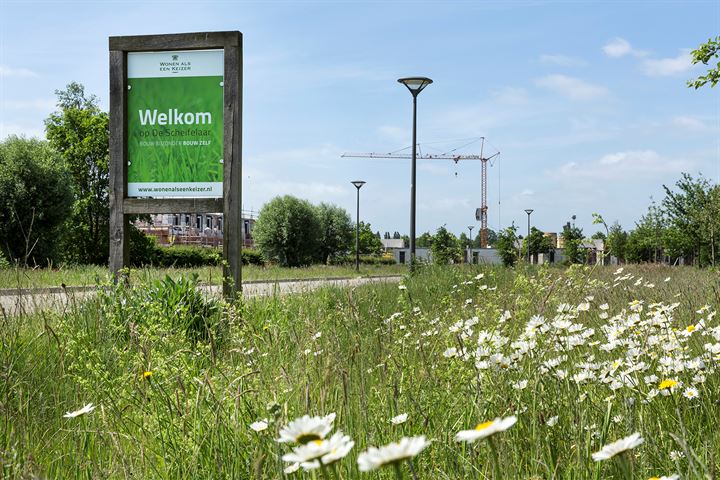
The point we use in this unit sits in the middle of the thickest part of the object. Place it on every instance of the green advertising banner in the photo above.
(175, 124)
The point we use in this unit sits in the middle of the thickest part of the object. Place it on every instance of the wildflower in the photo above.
(374, 458)
(483, 430)
(292, 468)
(334, 448)
(676, 455)
(667, 384)
(402, 287)
(671, 477)
(622, 445)
(400, 419)
(260, 425)
(450, 352)
(306, 429)
(86, 409)
(552, 421)
(521, 385)
(147, 374)
(690, 393)
(583, 307)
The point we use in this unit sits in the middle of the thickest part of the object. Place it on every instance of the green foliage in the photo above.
(364, 260)
(252, 257)
(336, 232)
(538, 243)
(369, 354)
(370, 243)
(35, 200)
(572, 238)
(445, 247)
(287, 231)
(424, 241)
(616, 243)
(79, 132)
(704, 54)
(645, 243)
(507, 245)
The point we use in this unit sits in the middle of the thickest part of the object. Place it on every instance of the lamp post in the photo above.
(358, 184)
(470, 227)
(528, 211)
(415, 85)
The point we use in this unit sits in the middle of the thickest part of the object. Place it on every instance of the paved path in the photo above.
(23, 301)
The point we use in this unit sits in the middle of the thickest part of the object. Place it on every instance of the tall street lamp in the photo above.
(528, 211)
(415, 85)
(358, 184)
(470, 227)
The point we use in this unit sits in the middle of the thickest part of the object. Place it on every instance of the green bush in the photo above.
(182, 256)
(364, 260)
(252, 257)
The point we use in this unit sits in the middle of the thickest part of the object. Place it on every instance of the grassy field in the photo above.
(90, 275)
(581, 358)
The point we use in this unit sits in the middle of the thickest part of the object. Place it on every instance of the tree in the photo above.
(79, 132)
(645, 243)
(424, 241)
(35, 200)
(616, 243)
(538, 243)
(287, 231)
(336, 231)
(370, 243)
(506, 245)
(704, 54)
(396, 235)
(464, 241)
(684, 210)
(572, 238)
(444, 247)
(386, 236)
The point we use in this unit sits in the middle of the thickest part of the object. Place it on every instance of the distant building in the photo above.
(392, 243)
(204, 229)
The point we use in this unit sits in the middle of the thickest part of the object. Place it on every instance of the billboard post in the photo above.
(176, 135)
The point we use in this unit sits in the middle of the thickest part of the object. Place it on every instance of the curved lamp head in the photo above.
(415, 84)
(358, 183)
(529, 211)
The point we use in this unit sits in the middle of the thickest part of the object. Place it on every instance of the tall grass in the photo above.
(175, 405)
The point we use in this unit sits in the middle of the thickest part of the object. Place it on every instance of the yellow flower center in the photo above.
(317, 442)
(147, 374)
(483, 426)
(690, 328)
(304, 438)
(667, 384)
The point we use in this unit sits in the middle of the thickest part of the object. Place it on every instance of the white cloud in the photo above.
(625, 166)
(511, 95)
(527, 193)
(444, 204)
(6, 71)
(43, 104)
(664, 67)
(562, 60)
(617, 47)
(7, 129)
(573, 88)
(692, 123)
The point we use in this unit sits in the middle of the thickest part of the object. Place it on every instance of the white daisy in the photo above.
(334, 448)
(612, 449)
(691, 393)
(483, 430)
(374, 458)
(260, 425)
(552, 421)
(86, 409)
(402, 418)
(305, 429)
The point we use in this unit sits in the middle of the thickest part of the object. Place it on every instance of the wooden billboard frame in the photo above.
(121, 207)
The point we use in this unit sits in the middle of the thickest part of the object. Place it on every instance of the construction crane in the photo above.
(481, 214)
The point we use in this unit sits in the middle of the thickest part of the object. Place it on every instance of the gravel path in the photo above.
(24, 301)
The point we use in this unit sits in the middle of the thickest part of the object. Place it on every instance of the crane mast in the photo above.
(482, 212)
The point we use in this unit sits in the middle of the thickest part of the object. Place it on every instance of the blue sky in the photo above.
(586, 102)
